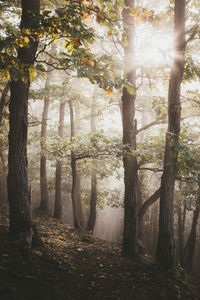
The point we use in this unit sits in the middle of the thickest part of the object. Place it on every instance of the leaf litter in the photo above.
(70, 265)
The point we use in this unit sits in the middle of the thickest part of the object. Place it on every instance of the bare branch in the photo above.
(154, 197)
(156, 122)
(193, 31)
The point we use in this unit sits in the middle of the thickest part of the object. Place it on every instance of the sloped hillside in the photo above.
(76, 266)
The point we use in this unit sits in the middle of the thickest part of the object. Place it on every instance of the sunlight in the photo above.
(154, 48)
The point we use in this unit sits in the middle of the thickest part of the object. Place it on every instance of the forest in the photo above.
(99, 149)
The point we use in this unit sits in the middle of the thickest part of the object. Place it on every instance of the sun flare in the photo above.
(155, 48)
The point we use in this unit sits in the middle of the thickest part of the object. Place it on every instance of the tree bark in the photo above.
(93, 202)
(181, 229)
(139, 201)
(18, 191)
(3, 177)
(44, 204)
(78, 174)
(93, 193)
(129, 139)
(58, 199)
(155, 210)
(77, 221)
(165, 248)
(191, 242)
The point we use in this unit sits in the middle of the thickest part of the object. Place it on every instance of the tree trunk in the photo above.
(3, 177)
(18, 191)
(78, 174)
(191, 242)
(78, 197)
(139, 201)
(181, 229)
(3, 99)
(77, 222)
(129, 139)
(93, 193)
(154, 220)
(58, 199)
(44, 204)
(93, 202)
(165, 249)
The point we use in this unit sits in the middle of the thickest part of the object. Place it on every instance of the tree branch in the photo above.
(193, 33)
(156, 122)
(152, 199)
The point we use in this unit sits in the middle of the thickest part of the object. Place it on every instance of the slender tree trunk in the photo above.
(129, 139)
(154, 220)
(78, 197)
(140, 200)
(44, 204)
(191, 242)
(77, 222)
(2, 161)
(3, 177)
(165, 249)
(78, 174)
(93, 193)
(93, 202)
(3, 100)
(58, 199)
(181, 229)
(18, 191)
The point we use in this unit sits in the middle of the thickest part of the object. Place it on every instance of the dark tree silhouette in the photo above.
(18, 190)
(165, 248)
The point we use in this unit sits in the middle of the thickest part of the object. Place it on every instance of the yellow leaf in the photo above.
(133, 12)
(90, 62)
(85, 59)
(87, 15)
(138, 20)
(149, 13)
(32, 74)
(26, 39)
(109, 92)
(86, 2)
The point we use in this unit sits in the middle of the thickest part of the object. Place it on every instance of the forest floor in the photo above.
(68, 265)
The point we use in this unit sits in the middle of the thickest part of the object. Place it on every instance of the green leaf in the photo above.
(129, 88)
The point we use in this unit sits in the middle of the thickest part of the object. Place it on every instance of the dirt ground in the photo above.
(76, 266)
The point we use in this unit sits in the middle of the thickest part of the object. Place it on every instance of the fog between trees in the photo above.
(105, 99)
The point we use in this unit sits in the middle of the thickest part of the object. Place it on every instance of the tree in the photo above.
(3, 145)
(181, 228)
(18, 189)
(166, 249)
(58, 199)
(191, 242)
(44, 205)
(93, 193)
(129, 138)
(76, 206)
